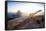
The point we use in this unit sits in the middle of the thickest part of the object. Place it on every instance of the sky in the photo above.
(24, 7)
(29, 0)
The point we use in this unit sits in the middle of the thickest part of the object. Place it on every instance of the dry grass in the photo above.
(30, 20)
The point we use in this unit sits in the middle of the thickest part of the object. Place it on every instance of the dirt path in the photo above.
(16, 21)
